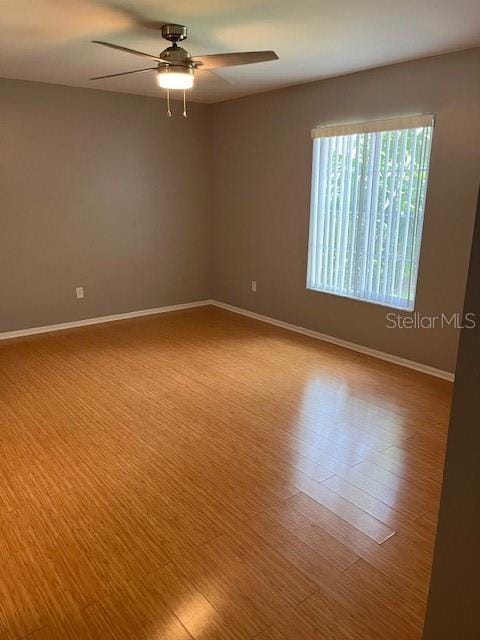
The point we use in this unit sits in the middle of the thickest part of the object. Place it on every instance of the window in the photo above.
(369, 182)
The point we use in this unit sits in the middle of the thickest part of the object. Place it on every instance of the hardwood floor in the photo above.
(202, 475)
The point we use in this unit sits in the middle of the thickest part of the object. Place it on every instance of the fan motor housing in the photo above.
(175, 56)
(174, 32)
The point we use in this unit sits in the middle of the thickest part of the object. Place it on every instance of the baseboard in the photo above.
(410, 364)
(100, 320)
(380, 355)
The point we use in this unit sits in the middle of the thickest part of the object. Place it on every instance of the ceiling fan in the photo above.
(176, 67)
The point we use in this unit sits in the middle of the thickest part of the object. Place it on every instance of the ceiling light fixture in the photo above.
(175, 77)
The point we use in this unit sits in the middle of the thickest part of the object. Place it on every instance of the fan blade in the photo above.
(233, 59)
(125, 73)
(136, 18)
(47, 21)
(126, 50)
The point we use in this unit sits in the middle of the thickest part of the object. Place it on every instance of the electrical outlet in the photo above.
(254, 286)
(79, 293)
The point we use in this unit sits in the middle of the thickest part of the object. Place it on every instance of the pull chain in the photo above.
(169, 111)
(184, 105)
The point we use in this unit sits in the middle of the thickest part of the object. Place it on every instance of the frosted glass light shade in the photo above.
(175, 78)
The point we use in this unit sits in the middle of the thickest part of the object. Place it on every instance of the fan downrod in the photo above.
(174, 32)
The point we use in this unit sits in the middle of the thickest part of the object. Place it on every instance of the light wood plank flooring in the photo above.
(200, 475)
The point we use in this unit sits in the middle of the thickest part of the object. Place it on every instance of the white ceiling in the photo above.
(49, 40)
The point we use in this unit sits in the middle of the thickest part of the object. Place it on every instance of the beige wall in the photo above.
(262, 169)
(453, 610)
(99, 190)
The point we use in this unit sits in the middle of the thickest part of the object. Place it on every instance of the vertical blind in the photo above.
(369, 184)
